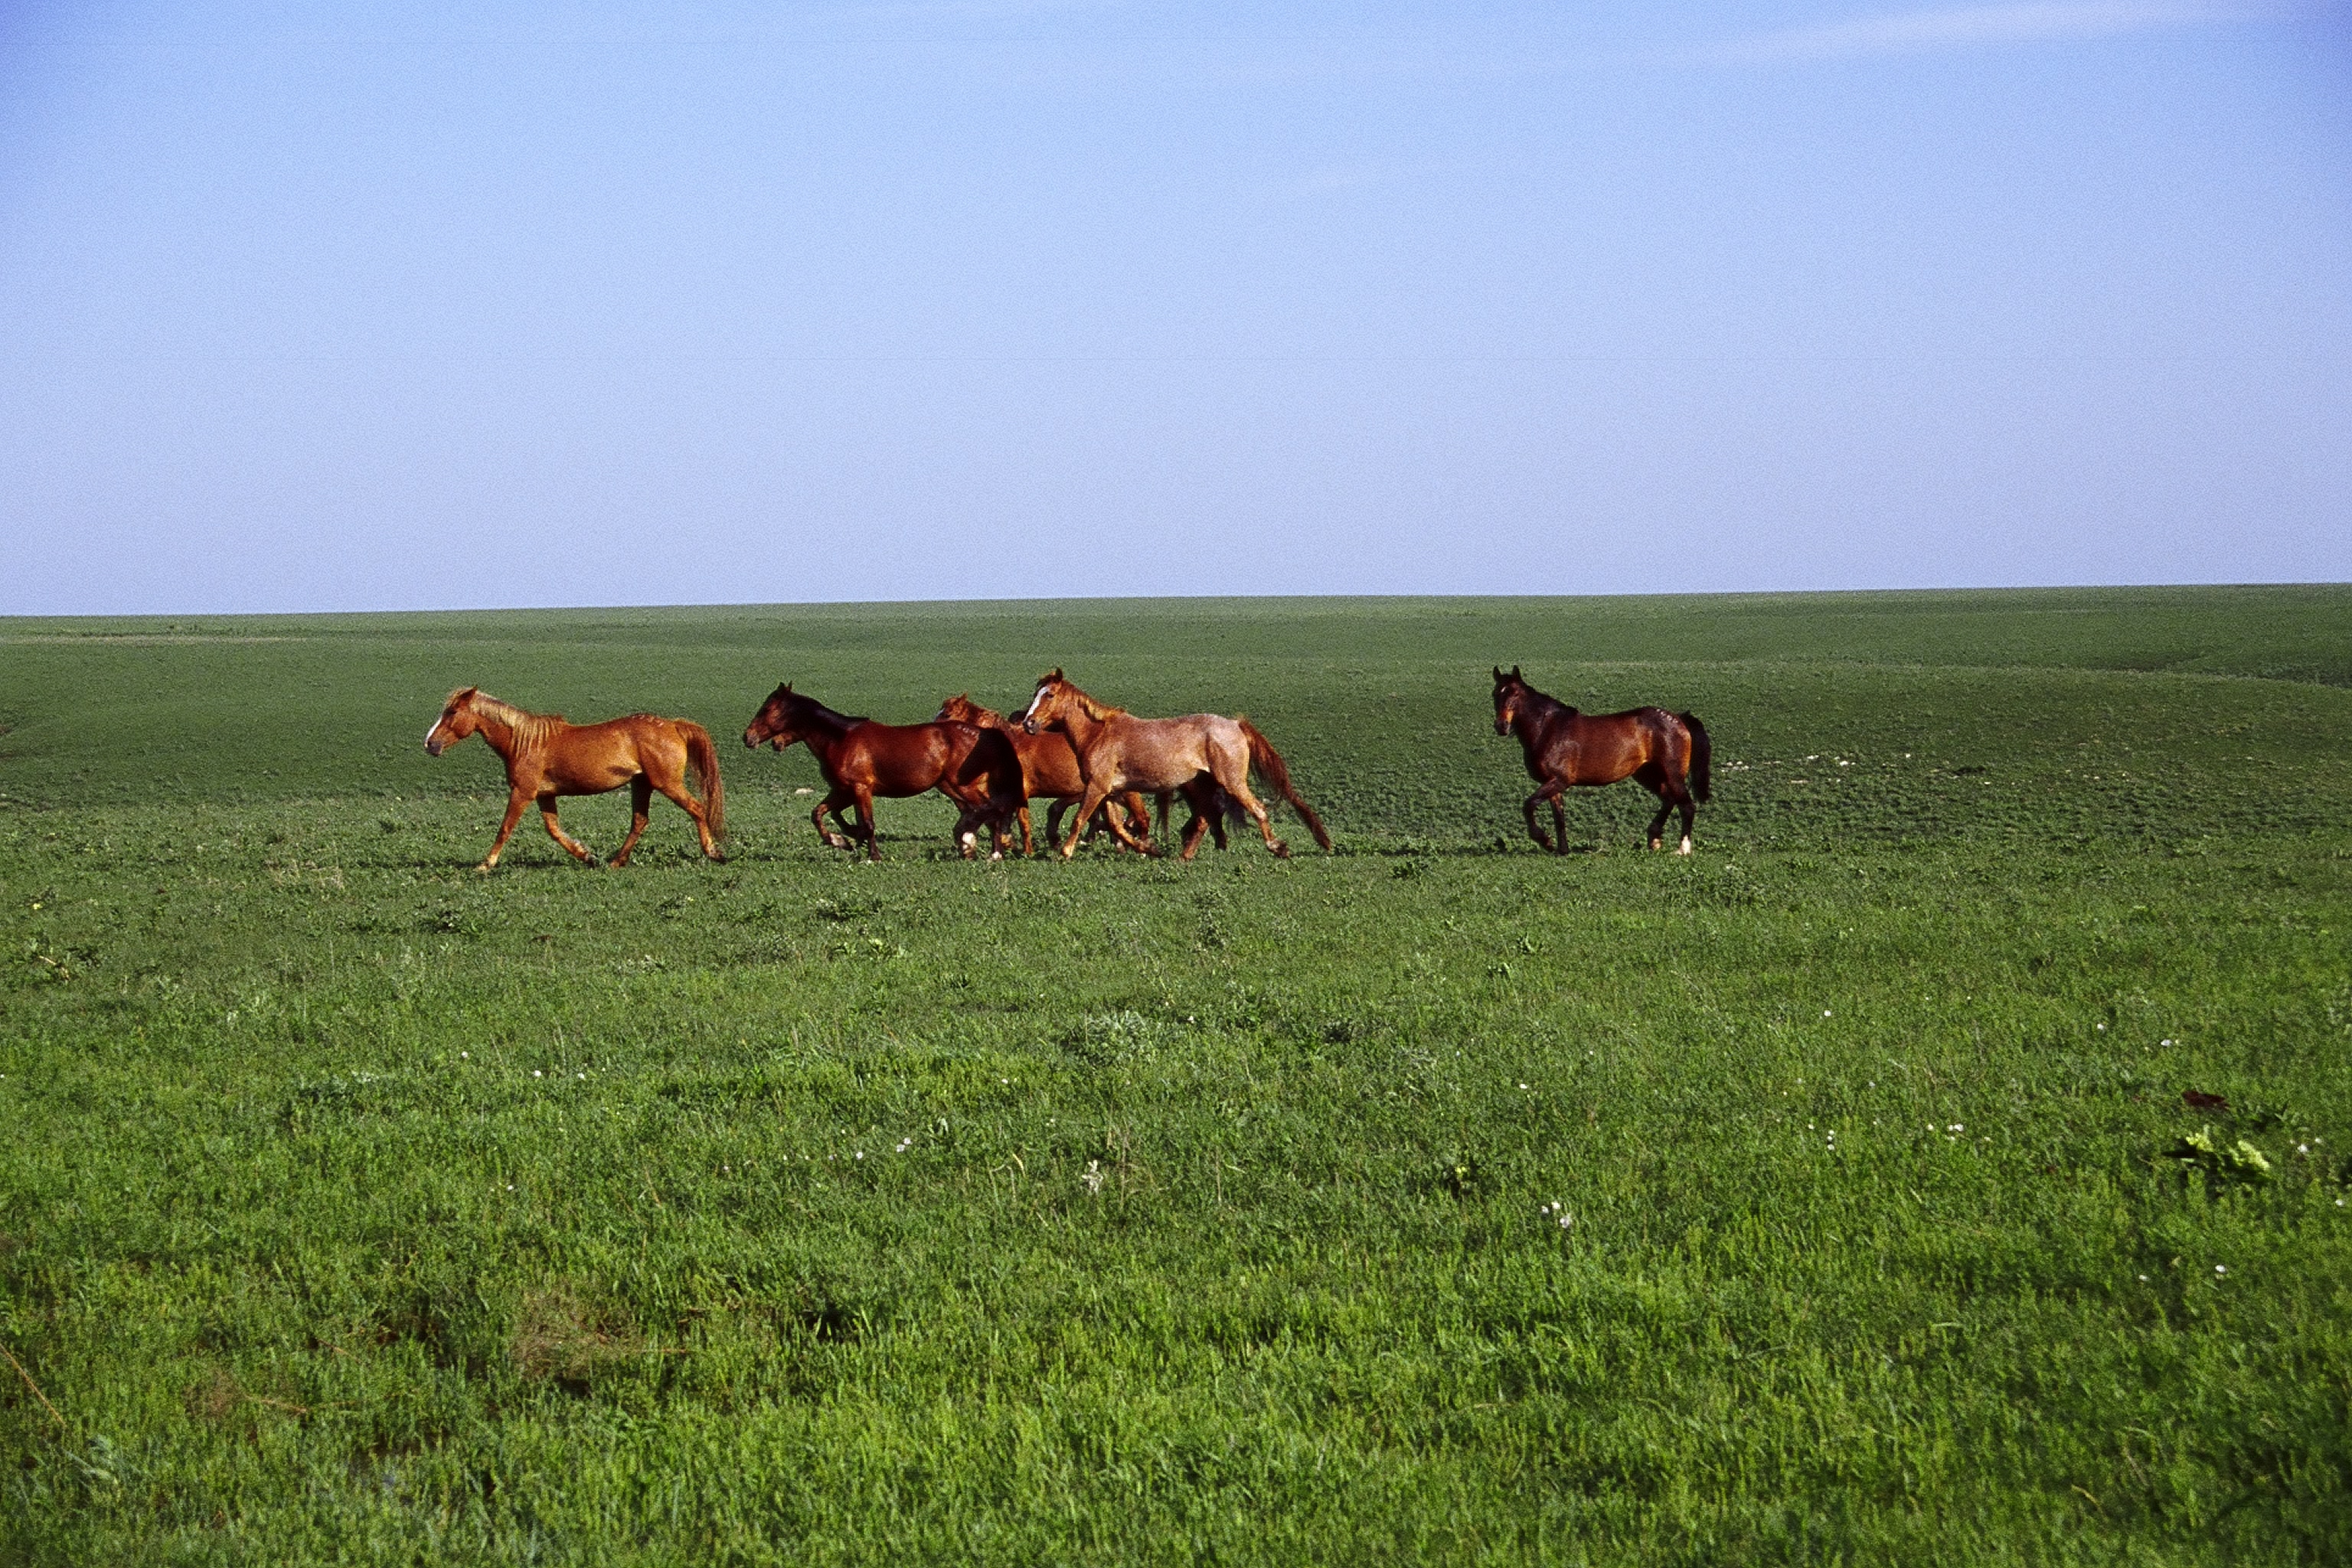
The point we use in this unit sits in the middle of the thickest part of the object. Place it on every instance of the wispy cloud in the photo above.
(1954, 28)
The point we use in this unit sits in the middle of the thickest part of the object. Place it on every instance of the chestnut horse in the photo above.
(546, 757)
(1665, 753)
(1199, 755)
(973, 767)
(1049, 767)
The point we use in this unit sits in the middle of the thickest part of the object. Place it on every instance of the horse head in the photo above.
(777, 721)
(457, 721)
(1510, 691)
(1054, 694)
(961, 709)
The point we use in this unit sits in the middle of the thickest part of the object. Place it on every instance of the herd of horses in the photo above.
(1066, 747)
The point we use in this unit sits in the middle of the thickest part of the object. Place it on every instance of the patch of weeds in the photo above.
(1104, 1039)
(2238, 1163)
(560, 1338)
(1459, 1174)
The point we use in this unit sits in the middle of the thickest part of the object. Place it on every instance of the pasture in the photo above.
(1829, 1195)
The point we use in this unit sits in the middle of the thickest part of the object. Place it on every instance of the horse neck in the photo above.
(1078, 721)
(1537, 716)
(504, 737)
(820, 729)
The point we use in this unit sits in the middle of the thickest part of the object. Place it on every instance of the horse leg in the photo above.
(1194, 831)
(1550, 792)
(866, 823)
(1110, 816)
(1087, 805)
(674, 788)
(835, 801)
(1559, 820)
(516, 801)
(578, 850)
(1680, 800)
(1028, 847)
(1238, 788)
(1666, 809)
(641, 808)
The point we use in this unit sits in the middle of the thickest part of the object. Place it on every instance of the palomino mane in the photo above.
(1096, 710)
(527, 725)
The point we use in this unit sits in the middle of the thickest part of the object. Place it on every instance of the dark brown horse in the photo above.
(973, 767)
(1665, 753)
(1049, 768)
(546, 757)
(1199, 755)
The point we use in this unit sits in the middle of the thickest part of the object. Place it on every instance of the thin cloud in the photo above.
(1988, 26)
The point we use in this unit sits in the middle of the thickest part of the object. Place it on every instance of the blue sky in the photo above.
(353, 306)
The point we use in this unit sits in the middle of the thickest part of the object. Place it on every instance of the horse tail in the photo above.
(1268, 761)
(1701, 756)
(702, 759)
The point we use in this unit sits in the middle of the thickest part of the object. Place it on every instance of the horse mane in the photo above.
(1543, 703)
(833, 715)
(1097, 711)
(529, 728)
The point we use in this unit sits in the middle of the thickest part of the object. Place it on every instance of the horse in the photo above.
(1049, 767)
(1666, 754)
(547, 756)
(973, 767)
(1199, 755)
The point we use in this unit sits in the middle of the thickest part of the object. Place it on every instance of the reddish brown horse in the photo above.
(546, 757)
(1049, 767)
(1200, 755)
(975, 768)
(1665, 753)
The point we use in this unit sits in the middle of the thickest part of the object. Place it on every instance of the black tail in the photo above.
(1268, 761)
(1702, 757)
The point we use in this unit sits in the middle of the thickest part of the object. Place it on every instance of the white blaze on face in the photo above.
(1034, 703)
(433, 726)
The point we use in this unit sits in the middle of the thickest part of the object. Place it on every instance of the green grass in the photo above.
(360, 1208)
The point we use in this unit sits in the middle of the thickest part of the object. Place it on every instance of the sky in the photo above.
(373, 306)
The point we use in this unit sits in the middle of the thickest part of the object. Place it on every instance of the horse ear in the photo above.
(1053, 674)
(1514, 672)
(1498, 672)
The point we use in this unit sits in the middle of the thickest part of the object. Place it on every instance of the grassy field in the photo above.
(1827, 1196)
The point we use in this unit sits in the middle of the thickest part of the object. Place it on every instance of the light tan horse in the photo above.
(546, 757)
(1119, 752)
(1049, 767)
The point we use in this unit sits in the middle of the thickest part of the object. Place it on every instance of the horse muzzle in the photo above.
(431, 748)
(1029, 727)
